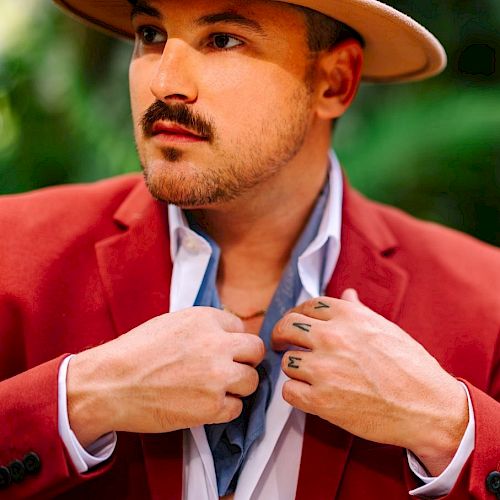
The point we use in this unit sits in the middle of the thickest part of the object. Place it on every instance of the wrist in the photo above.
(88, 408)
(443, 435)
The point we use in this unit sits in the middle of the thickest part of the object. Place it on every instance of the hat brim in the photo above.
(397, 48)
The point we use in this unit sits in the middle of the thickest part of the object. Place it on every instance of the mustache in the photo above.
(180, 114)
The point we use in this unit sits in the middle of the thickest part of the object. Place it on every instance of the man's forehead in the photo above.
(211, 11)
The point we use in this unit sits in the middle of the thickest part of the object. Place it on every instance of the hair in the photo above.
(324, 32)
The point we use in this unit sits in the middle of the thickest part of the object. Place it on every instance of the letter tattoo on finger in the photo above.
(292, 362)
(305, 327)
(322, 305)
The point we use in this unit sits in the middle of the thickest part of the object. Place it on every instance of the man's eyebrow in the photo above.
(229, 17)
(143, 7)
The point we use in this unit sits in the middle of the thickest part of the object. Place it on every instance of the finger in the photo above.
(231, 409)
(293, 330)
(297, 365)
(321, 308)
(248, 348)
(244, 380)
(298, 394)
(228, 322)
(351, 295)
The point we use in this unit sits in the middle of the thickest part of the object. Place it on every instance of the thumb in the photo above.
(350, 295)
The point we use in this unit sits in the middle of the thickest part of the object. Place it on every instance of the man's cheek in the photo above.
(139, 82)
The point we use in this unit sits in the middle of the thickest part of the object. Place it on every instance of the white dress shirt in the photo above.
(272, 466)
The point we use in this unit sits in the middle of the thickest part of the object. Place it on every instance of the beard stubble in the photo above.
(238, 167)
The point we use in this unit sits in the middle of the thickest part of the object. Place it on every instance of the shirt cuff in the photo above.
(443, 484)
(99, 451)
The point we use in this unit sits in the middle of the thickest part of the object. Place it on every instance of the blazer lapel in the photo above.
(366, 258)
(367, 246)
(135, 264)
(164, 468)
(136, 269)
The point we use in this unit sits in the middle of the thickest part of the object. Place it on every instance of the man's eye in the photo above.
(149, 35)
(225, 42)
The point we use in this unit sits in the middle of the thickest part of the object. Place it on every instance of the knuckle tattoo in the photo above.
(305, 327)
(321, 304)
(293, 362)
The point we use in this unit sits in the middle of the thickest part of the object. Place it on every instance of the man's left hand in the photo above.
(365, 374)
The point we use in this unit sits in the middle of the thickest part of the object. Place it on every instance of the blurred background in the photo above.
(431, 148)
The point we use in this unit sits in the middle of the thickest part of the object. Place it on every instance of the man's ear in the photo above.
(339, 75)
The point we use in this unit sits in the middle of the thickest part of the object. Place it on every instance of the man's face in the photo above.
(235, 74)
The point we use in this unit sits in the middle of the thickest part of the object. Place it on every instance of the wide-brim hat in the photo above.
(397, 48)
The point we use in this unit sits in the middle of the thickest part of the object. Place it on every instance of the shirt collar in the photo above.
(318, 261)
(327, 240)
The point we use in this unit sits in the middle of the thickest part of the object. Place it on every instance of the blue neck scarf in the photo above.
(231, 442)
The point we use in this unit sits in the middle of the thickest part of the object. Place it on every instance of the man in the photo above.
(383, 382)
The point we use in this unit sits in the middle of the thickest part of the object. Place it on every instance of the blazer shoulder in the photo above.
(71, 205)
(446, 256)
(44, 226)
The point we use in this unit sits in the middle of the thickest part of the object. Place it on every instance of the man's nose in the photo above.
(174, 77)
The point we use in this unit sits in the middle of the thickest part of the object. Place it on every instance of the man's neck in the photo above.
(257, 232)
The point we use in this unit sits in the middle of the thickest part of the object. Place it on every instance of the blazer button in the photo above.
(32, 463)
(17, 471)
(5, 478)
(493, 483)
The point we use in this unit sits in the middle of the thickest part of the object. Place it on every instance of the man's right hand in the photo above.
(175, 371)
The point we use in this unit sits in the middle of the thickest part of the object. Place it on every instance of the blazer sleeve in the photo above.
(33, 459)
(485, 459)
(28, 427)
(483, 466)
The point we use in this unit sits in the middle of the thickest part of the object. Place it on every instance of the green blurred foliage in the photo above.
(430, 148)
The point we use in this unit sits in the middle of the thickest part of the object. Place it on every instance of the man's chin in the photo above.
(187, 193)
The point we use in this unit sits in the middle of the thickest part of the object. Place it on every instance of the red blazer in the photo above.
(80, 265)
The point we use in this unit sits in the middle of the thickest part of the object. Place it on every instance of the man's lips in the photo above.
(174, 133)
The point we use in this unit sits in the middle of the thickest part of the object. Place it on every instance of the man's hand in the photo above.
(366, 375)
(175, 371)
